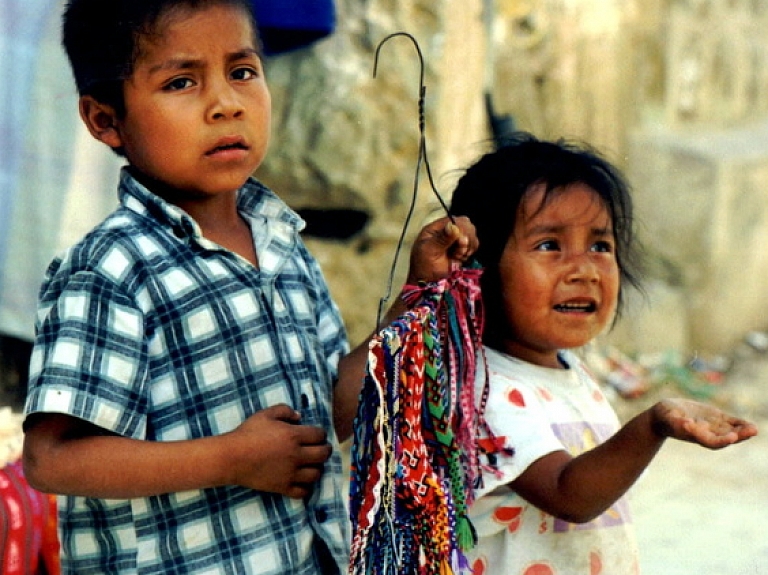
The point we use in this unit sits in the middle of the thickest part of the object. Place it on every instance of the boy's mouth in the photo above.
(225, 146)
(577, 307)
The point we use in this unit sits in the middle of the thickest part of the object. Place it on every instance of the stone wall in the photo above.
(698, 160)
(568, 68)
(704, 221)
(343, 139)
(673, 91)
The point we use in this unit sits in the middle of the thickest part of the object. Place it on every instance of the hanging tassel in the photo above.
(415, 458)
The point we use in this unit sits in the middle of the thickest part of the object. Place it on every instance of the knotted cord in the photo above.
(415, 455)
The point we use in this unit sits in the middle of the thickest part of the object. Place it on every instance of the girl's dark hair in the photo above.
(101, 39)
(491, 191)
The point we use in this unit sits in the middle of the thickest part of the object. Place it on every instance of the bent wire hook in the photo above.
(422, 114)
(422, 159)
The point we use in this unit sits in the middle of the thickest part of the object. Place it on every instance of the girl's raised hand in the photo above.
(696, 422)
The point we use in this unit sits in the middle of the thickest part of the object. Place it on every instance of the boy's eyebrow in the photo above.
(245, 53)
(191, 63)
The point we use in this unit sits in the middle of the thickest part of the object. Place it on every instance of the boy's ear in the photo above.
(101, 121)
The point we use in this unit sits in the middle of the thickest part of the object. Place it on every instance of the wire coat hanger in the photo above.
(422, 159)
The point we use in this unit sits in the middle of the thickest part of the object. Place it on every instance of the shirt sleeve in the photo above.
(516, 416)
(330, 326)
(90, 356)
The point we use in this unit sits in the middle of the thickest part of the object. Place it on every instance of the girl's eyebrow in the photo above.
(543, 230)
(555, 228)
(602, 231)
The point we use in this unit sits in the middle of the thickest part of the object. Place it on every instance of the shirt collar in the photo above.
(254, 201)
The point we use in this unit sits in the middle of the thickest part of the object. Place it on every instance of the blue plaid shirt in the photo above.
(147, 329)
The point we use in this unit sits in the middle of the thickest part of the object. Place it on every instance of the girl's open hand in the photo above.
(438, 246)
(700, 423)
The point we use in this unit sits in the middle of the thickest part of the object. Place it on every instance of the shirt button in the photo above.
(304, 401)
(321, 515)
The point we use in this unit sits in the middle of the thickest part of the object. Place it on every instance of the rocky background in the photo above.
(673, 91)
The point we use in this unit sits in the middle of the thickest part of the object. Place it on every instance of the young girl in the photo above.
(554, 223)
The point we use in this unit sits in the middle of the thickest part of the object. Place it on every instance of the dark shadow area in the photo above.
(333, 224)
(14, 371)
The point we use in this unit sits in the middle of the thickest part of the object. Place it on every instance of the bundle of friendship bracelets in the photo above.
(415, 456)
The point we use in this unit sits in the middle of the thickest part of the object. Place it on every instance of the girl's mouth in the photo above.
(576, 307)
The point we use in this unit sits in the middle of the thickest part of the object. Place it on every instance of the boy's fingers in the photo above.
(282, 412)
(438, 246)
(315, 455)
(306, 476)
(461, 226)
(460, 235)
(312, 436)
(299, 491)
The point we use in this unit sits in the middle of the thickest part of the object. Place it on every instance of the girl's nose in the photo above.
(582, 268)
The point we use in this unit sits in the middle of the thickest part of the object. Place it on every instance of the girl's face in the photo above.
(559, 275)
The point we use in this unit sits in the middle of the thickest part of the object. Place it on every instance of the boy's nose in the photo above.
(225, 104)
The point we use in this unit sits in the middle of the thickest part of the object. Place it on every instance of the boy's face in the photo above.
(559, 274)
(197, 104)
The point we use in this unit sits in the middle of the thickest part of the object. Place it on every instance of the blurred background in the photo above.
(675, 92)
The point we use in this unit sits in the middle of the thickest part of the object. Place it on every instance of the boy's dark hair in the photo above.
(102, 40)
(490, 193)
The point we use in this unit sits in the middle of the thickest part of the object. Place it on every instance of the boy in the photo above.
(182, 394)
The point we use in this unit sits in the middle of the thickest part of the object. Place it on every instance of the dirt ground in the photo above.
(700, 512)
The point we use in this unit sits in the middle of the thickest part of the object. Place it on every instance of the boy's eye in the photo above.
(177, 84)
(244, 73)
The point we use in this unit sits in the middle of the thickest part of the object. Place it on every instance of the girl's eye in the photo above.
(244, 73)
(177, 84)
(547, 246)
(603, 247)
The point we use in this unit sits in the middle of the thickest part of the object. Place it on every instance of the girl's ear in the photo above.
(101, 121)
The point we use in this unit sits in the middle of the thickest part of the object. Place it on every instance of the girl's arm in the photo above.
(270, 451)
(581, 488)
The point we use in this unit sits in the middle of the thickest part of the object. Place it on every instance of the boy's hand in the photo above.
(438, 247)
(440, 244)
(271, 451)
(700, 423)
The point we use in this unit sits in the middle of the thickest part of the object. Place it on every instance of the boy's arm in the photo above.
(270, 451)
(581, 488)
(437, 247)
